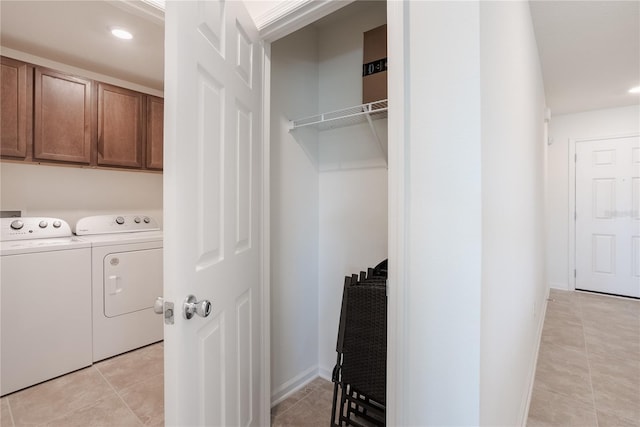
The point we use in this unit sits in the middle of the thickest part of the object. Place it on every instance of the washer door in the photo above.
(132, 281)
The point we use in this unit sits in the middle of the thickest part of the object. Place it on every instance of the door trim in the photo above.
(290, 16)
(265, 398)
(397, 340)
(572, 199)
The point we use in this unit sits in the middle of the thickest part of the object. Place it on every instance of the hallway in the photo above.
(588, 371)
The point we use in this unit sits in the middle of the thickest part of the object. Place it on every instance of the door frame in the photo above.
(571, 278)
(265, 297)
(279, 23)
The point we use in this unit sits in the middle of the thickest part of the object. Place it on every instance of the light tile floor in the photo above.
(126, 390)
(309, 407)
(588, 375)
(588, 371)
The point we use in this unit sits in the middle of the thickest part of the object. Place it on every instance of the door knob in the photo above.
(192, 306)
(158, 306)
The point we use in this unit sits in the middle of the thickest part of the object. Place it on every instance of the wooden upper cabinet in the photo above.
(155, 132)
(49, 116)
(120, 126)
(15, 114)
(62, 117)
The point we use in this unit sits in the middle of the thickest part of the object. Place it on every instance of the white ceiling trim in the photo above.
(152, 10)
(290, 16)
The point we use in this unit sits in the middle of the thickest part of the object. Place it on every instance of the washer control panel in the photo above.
(25, 228)
(108, 224)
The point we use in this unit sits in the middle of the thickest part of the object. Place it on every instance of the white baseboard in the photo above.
(325, 374)
(294, 384)
(524, 413)
(559, 285)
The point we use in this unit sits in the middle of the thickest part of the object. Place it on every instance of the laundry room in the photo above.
(81, 189)
(56, 161)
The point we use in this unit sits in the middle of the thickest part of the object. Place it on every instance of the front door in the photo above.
(212, 213)
(608, 216)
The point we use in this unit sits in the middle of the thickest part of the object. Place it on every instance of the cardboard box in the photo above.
(374, 65)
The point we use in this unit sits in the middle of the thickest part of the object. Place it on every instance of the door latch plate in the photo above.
(168, 313)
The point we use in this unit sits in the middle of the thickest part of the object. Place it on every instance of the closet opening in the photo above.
(328, 187)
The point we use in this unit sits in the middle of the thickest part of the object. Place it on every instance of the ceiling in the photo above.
(77, 33)
(589, 50)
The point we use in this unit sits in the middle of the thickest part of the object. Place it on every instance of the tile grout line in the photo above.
(143, 355)
(297, 401)
(292, 406)
(306, 396)
(64, 414)
(13, 422)
(90, 404)
(586, 354)
(120, 397)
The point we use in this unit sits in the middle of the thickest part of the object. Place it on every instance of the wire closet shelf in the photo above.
(345, 117)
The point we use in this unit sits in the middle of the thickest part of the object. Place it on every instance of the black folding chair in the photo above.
(360, 371)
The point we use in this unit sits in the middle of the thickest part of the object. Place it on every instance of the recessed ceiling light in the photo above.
(635, 89)
(121, 34)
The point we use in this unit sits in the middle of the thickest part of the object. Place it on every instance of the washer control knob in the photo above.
(17, 224)
(147, 220)
(57, 224)
(137, 220)
(120, 220)
(43, 224)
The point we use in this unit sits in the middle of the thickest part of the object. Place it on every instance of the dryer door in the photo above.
(132, 281)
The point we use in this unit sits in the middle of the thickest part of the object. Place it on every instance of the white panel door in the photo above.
(212, 213)
(608, 216)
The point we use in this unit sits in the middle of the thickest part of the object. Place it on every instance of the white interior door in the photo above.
(212, 213)
(608, 216)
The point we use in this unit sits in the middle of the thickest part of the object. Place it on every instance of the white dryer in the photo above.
(126, 264)
(45, 313)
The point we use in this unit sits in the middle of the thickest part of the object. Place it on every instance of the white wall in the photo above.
(71, 193)
(473, 215)
(598, 123)
(513, 156)
(294, 214)
(439, 343)
(353, 174)
(353, 236)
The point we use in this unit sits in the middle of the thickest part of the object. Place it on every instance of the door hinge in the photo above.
(575, 215)
(575, 273)
(575, 158)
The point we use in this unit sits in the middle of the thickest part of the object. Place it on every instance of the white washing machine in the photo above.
(45, 298)
(126, 271)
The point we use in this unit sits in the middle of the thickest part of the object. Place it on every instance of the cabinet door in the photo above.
(155, 132)
(62, 128)
(119, 126)
(15, 96)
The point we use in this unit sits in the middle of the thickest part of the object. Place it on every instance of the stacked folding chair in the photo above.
(360, 375)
